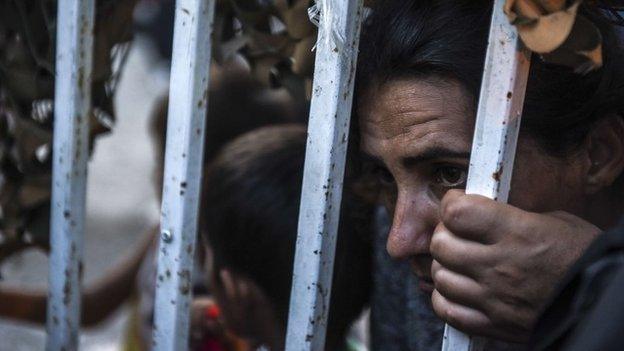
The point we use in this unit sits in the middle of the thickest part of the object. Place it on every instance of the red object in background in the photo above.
(213, 312)
(212, 345)
(217, 337)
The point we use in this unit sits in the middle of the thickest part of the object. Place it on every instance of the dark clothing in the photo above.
(587, 313)
(603, 327)
(401, 316)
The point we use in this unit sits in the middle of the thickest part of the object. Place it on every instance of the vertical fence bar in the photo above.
(319, 212)
(74, 53)
(188, 98)
(499, 113)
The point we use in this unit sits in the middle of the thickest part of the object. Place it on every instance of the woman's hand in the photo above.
(495, 266)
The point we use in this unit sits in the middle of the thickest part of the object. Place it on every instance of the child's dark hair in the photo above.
(448, 39)
(236, 104)
(250, 214)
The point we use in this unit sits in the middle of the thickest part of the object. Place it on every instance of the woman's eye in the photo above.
(383, 175)
(451, 177)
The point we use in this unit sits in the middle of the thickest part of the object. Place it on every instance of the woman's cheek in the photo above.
(539, 182)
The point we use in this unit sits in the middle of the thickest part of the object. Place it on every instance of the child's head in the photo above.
(237, 104)
(249, 215)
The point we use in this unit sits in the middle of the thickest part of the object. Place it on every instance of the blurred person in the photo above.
(100, 298)
(237, 104)
(249, 220)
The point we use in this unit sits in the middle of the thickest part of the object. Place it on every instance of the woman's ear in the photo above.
(606, 154)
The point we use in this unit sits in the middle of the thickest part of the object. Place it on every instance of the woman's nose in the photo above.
(412, 226)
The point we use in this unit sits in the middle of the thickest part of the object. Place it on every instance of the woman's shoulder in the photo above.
(582, 291)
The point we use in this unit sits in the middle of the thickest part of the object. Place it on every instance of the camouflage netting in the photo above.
(27, 45)
(275, 36)
(555, 30)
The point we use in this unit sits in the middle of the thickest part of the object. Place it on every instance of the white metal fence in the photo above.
(188, 98)
(496, 132)
(71, 152)
(493, 152)
(328, 132)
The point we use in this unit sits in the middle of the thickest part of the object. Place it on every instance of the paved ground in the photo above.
(121, 204)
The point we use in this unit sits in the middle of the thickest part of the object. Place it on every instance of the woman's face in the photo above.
(418, 134)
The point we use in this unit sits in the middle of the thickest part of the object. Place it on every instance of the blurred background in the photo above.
(276, 58)
(121, 202)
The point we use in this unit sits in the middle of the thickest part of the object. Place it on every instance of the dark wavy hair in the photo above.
(448, 39)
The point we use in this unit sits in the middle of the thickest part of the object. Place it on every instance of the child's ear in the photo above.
(230, 284)
(209, 273)
(605, 149)
(240, 290)
(246, 309)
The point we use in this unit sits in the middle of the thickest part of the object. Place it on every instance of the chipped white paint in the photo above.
(183, 168)
(323, 173)
(496, 131)
(74, 52)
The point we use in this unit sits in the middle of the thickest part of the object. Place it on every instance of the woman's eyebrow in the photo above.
(432, 154)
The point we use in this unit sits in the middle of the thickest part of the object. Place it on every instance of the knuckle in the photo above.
(452, 317)
(436, 303)
(437, 275)
(451, 195)
(439, 228)
(455, 210)
(443, 310)
(444, 282)
(446, 311)
(437, 244)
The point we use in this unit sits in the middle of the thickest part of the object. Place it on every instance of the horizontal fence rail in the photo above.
(328, 130)
(496, 132)
(74, 53)
(188, 98)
